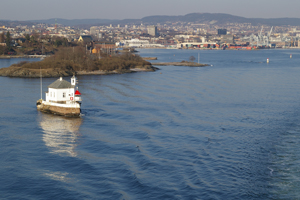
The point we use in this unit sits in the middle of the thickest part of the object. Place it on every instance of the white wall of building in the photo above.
(55, 95)
(133, 43)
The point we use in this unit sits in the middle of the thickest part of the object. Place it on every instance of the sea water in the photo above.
(230, 130)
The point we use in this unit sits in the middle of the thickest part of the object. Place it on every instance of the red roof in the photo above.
(77, 92)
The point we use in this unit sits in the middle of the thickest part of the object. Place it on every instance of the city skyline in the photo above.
(136, 9)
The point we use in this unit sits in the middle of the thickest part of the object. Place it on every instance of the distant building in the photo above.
(227, 39)
(222, 31)
(93, 30)
(21, 40)
(107, 48)
(85, 38)
(133, 43)
(152, 30)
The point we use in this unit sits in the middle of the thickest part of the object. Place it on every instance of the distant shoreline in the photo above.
(21, 56)
(147, 58)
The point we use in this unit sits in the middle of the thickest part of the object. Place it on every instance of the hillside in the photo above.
(74, 22)
(208, 18)
(221, 19)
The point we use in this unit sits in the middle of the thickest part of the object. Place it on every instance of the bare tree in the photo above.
(2, 38)
(8, 41)
(192, 58)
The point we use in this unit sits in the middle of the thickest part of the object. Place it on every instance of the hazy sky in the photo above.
(124, 9)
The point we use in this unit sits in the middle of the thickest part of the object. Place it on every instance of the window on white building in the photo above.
(64, 95)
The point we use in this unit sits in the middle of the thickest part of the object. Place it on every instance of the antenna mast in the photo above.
(41, 82)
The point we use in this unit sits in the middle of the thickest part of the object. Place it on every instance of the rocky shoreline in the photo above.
(149, 58)
(21, 56)
(183, 63)
(14, 71)
(48, 107)
(104, 72)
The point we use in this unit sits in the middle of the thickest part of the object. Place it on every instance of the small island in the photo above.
(150, 58)
(69, 61)
(182, 63)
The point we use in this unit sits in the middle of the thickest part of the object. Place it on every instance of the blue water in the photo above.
(226, 131)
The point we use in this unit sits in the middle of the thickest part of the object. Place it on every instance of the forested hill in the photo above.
(198, 18)
(221, 19)
(75, 22)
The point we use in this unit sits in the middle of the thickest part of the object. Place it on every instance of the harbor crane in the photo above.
(261, 40)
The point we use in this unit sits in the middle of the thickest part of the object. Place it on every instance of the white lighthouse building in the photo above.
(62, 98)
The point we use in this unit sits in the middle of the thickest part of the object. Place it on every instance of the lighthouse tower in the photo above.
(77, 93)
(78, 97)
(73, 80)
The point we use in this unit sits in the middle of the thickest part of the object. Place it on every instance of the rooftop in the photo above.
(60, 83)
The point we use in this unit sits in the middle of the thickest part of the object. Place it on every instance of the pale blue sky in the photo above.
(124, 9)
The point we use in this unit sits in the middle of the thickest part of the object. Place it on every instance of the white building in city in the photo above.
(133, 43)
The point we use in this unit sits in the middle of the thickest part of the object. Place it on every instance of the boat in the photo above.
(62, 98)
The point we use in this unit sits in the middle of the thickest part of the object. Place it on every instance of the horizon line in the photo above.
(53, 18)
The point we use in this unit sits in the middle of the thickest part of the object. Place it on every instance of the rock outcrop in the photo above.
(182, 63)
(15, 71)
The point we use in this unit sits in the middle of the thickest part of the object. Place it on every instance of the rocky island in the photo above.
(69, 61)
(182, 63)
